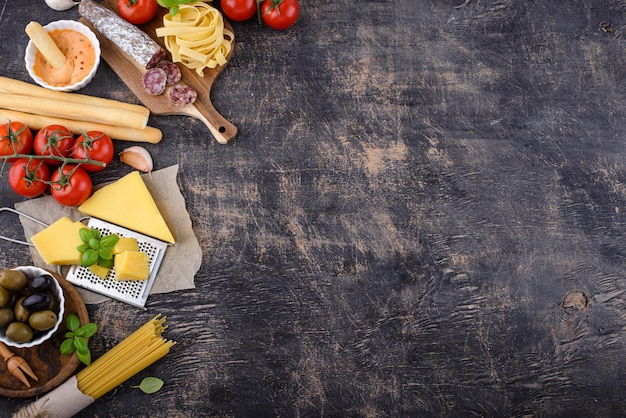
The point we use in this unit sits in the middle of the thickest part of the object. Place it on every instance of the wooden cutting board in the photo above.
(130, 73)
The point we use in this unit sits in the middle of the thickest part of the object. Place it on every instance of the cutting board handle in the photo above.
(221, 129)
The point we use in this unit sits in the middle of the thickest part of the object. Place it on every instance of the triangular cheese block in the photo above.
(128, 203)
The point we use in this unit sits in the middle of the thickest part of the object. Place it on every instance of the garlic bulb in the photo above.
(137, 157)
(60, 5)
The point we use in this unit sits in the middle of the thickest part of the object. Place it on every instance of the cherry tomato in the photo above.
(70, 185)
(29, 177)
(95, 145)
(54, 140)
(15, 138)
(137, 12)
(238, 10)
(279, 14)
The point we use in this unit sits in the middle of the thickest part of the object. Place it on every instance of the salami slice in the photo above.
(182, 95)
(154, 80)
(173, 72)
(128, 37)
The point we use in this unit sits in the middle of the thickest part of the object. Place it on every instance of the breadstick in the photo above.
(77, 111)
(45, 45)
(10, 85)
(147, 134)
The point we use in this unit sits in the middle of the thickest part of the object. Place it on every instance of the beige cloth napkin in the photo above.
(181, 261)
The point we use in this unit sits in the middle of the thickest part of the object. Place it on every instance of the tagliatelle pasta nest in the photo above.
(196, 36)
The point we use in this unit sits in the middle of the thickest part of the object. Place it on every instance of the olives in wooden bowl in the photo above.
(32, 305)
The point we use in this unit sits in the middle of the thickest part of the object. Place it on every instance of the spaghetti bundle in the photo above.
(133, 354)
(196, 36)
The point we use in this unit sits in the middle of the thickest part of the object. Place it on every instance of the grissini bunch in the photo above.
(38, 107)
(133, 354)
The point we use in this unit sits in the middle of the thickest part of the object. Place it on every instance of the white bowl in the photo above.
(31, 53)
(31, 273)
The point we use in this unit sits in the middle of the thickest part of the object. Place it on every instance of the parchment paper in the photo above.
(181, 261)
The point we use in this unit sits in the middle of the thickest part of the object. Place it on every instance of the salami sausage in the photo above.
(154, 80)
(128, 37)
(173, 72)
(182, 95)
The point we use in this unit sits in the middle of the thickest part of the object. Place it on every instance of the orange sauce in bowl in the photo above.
(80, 54)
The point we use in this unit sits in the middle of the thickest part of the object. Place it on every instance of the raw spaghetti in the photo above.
(133, 354)
(139, 350)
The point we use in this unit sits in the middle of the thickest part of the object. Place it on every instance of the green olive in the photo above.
(5, 296)
(19, 332)
(21, 313)
(42, 320)
(6, 317)
(13, 279)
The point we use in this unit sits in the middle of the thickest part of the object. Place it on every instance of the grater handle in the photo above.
(17, 241)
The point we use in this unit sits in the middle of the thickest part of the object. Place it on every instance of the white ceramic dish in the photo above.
(31, 53)
(31, 273)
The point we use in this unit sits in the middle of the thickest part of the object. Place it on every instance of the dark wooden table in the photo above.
(417, 190)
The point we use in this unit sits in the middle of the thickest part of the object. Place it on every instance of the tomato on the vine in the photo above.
(238, 10)
(137, 12)
(15, 138)
(280, 14)
(29, 177)
(96, 146)
(70, 185)
(54, 140)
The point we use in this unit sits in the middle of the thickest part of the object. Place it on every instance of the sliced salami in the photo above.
(128, 37)
(182, 95)
(154, 80)
(173, 72)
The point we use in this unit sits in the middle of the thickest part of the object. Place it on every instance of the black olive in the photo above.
(37, 301)
(41, 283)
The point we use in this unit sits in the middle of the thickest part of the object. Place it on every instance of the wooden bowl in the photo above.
(46, 360)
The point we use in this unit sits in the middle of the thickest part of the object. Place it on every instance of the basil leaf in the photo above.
(89, 258)
(72, 322)
(109, 241)
(85, 357)
(106, 263)
(81, 344)
(82, 248)
(67, 346)
(85, 234)
(89, 329)
(105, 253)
(150, 385)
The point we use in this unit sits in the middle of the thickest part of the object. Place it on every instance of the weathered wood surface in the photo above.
(416, 189)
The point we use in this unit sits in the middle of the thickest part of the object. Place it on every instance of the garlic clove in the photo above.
(60, 5)
(138, 158)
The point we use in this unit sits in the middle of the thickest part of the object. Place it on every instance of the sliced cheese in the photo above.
(125, 244)
(132, 265)
(57, 243)
(99, 270)
(128, 203)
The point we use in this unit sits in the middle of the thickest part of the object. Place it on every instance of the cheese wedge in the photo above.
(57, 243)
(128, 203)
(125, 244)
(99, 270)
(132, 265)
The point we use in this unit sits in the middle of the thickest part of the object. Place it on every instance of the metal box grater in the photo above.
(131, 291)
